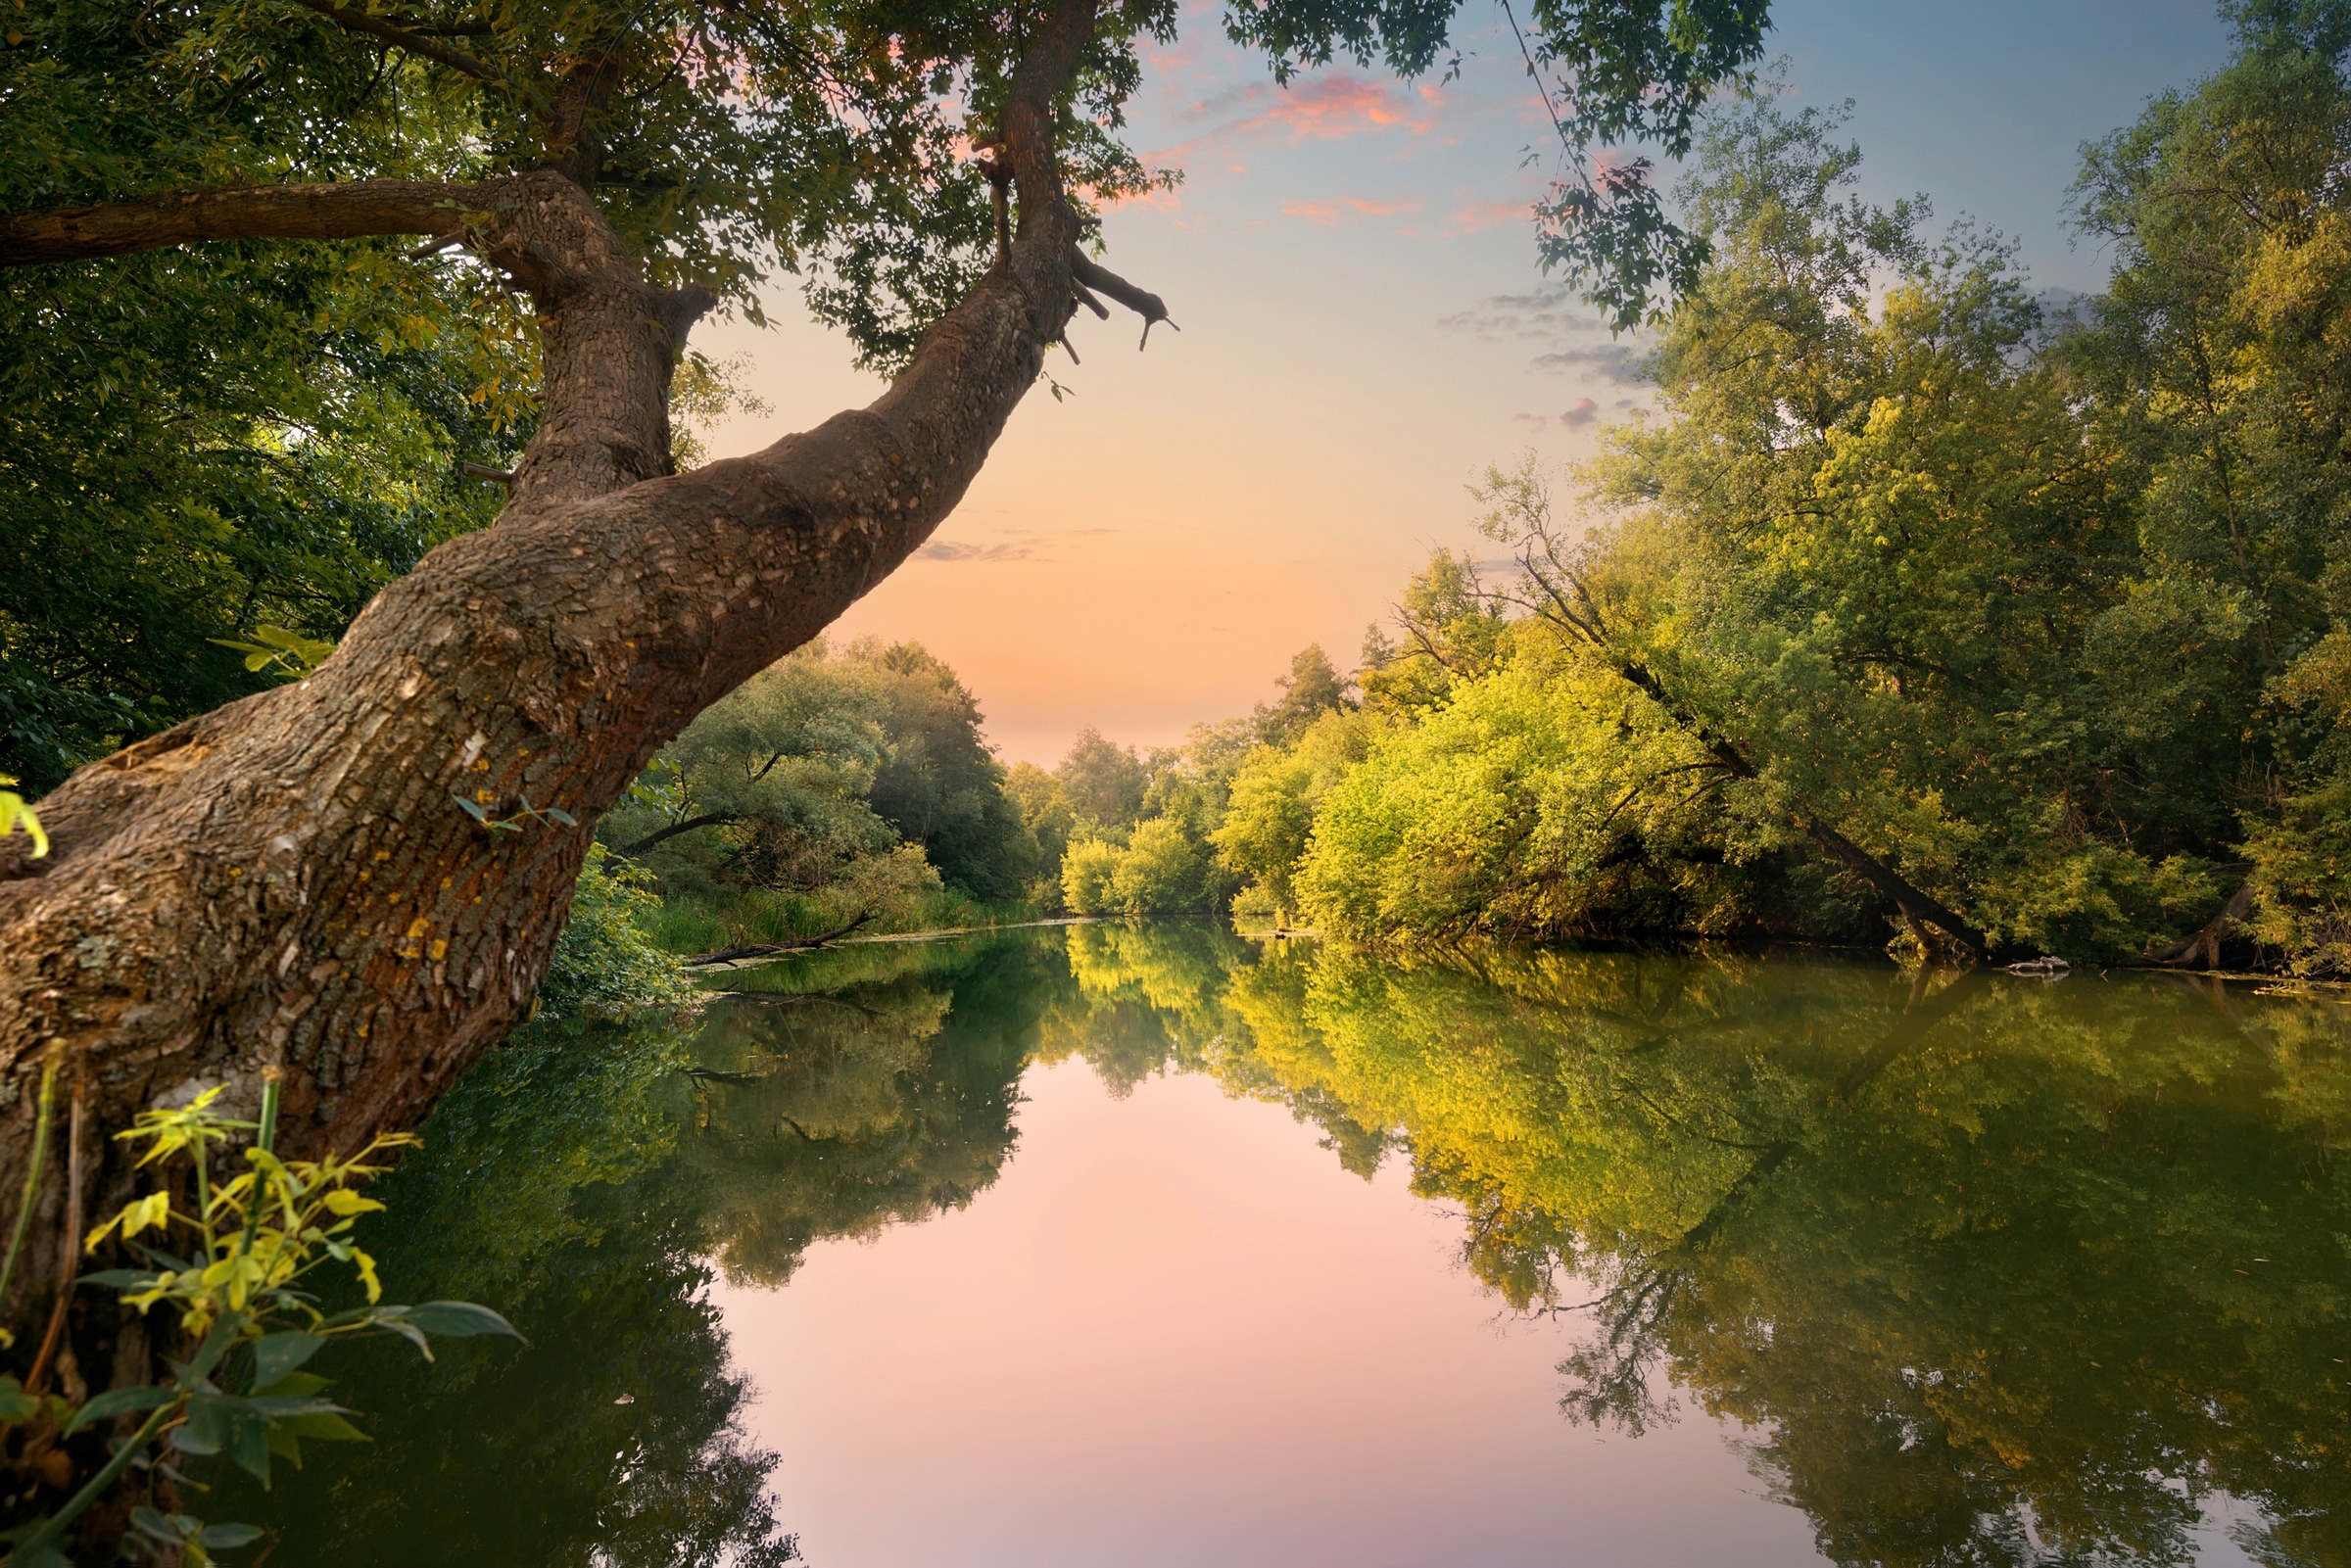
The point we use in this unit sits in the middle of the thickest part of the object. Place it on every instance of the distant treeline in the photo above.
(856, 781)
(1923, 609)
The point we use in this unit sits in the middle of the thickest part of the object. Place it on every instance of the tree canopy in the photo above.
(1921, 602)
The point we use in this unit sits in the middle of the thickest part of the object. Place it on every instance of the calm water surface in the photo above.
(1153, 1246)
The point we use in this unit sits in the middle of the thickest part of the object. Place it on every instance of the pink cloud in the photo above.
(1475, 215)
(1316, 108)
(1333, 208)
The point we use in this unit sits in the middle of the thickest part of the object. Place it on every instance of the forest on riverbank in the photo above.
(1924, 607)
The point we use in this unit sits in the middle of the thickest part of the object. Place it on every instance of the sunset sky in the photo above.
(1364, 328)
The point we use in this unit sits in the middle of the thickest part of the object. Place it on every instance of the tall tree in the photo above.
(355, 881)
(1103, 780)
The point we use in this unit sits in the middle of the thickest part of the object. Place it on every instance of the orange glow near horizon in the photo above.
(1365, 329)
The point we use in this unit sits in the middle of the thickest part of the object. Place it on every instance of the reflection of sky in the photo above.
(1176, 1332)
(1365, 329)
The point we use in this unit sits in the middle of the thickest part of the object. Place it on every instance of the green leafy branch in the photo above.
(275, 647)
(252, 1243)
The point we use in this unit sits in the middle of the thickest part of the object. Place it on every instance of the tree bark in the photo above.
(289, 881)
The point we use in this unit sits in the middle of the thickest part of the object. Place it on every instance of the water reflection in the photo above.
(2000, 1272)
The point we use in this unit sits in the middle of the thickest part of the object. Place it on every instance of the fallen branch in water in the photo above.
(728, 955)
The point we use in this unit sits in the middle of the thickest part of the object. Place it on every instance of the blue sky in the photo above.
(1365, 329)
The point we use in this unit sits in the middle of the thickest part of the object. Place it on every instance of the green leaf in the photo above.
(14, 1404)
(471, 808)
(294, 1385)
(286, 1445)
(227, 1536)
(413, 1336)
(276, 1354)
(206, 1429)
(122, 1402)
(120, 1278)
(170, 1527)
(458, 1321)
(322, 1427)
(249, 1446)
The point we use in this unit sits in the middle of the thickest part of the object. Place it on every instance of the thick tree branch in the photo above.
(290, 881)
(1917, 908)
(2205, 941)
(798, 944)
(1091, 274)
(457, 59)
(351, 210)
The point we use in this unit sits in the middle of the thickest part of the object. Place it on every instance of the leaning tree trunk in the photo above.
(291, 882)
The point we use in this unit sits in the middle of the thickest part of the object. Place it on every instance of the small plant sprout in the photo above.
(479, 810)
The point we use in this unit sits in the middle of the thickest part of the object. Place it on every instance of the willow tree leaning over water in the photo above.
(358, 878)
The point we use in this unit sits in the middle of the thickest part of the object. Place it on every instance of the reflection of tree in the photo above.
(1145, 998)
(549, 1185)
(586, 1190)
(838, 1113)
(2008, 1273)
(2001, 1273)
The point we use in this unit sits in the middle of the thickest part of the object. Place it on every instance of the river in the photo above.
(1147, 1246)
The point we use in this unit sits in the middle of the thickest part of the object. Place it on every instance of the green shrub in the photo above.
(607, 961)
(1162, 873)
(1087, 872)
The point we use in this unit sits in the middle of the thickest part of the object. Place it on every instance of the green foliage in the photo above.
(193, 442)
(1087, 870)
(2216, 359)
(1046, 812)
(940, 784)
(247, 1311)
(1451, 629)
(608, 962)
(832, 785)
(1269, 815)
(1102, 782)
(1160, 866)
(288, 655)
(1311, 690)
(1161, 871)
(2039, 615)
